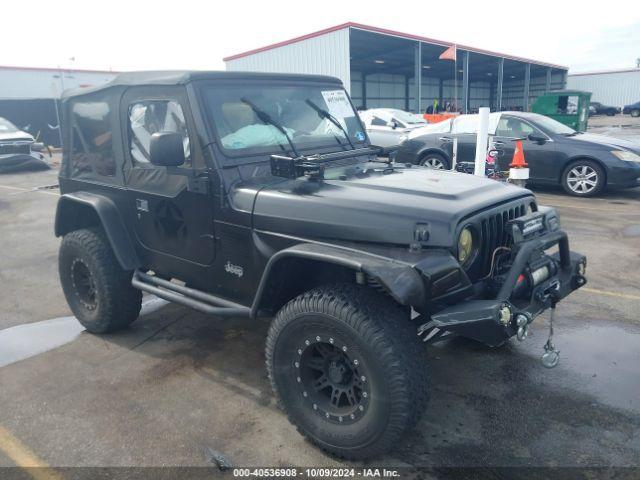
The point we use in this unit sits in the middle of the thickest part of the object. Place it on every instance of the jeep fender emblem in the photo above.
(233, 269)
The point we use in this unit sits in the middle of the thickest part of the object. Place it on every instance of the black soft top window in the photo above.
(238, 116)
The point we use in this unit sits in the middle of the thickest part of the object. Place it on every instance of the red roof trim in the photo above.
(604, 72)
(51, 69)
(385, 31)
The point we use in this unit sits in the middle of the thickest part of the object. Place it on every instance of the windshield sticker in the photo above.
(359, 136)
(338, 103)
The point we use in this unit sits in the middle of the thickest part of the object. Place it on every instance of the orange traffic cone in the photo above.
(518, 157)
(519, 171)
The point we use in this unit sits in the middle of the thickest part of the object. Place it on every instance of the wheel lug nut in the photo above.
(297, 364)
(361, 408)
(298, 379)
(304, 394)
(344, 349)
(326, 415)
(317, 339)
(363, 378)
(352, 416)
(331, 341)
(307, 342)
(299, 352)
(364, 394)
(315, 407)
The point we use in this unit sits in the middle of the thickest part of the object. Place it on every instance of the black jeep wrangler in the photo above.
(259, 195)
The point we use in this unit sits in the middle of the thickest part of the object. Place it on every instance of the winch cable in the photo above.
(551, 355)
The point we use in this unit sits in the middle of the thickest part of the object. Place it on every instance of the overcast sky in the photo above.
(142, 35)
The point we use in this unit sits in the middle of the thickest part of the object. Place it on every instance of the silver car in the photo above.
(388, 127)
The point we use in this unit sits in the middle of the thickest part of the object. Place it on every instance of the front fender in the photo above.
(83, 209)
(399, 279)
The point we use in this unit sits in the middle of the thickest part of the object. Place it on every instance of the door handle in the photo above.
(142, 205)
(446, 139)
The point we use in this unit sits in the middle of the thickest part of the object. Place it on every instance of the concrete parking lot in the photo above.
(180, 386)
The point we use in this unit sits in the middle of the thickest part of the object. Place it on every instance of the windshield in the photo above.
(7, 126)
(258, 119)
(406, 117)
(553, 126)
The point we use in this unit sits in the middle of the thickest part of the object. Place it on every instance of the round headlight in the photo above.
(465, 246)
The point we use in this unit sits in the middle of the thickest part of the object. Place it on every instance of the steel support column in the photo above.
(418, 77)
(500, 83)
(527, 83)
(440, 91)
(407, 100)
(364, 90)
(547, 85)
(465, 82)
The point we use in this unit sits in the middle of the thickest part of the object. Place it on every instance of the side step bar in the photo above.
(189, 297)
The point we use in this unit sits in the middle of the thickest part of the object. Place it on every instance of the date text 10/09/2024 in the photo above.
(316, 472)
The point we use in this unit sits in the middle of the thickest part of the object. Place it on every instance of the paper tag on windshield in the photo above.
(338, 103)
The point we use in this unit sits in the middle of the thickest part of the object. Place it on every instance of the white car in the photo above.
(388, 127)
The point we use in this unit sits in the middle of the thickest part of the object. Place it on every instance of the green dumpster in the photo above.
(570, 107)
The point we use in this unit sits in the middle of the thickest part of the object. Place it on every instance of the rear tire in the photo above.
(635, 113)
(435, 161)
(583, 178)
(348, 368)
(97, 290)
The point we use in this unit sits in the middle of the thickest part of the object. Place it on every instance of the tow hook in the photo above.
(522, 322)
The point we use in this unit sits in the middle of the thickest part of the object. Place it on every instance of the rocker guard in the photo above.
(480, 319)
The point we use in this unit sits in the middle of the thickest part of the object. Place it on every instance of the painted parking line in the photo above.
(627, 296)
(24, 458)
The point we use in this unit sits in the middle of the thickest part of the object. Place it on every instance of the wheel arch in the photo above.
(577, 158)
(287, 275)
(85, 210)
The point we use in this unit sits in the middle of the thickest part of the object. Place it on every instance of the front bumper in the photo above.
(495, 320)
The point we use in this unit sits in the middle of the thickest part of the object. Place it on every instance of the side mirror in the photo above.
(537, 138)
(392, 124)
(166, 149)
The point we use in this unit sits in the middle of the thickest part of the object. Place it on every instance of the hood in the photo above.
(604, 141)
(15, 136)
(379, 208)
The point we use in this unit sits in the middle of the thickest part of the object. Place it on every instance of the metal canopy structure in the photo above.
(385, 68)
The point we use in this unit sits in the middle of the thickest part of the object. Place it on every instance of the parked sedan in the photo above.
(632, 109)
(583, 163)
(16, 150)
(600, 109)
(388, 127)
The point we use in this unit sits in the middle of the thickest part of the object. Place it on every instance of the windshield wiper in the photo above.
(266, 119)
(324, 114)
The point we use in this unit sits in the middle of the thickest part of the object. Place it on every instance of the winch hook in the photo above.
(551, 356)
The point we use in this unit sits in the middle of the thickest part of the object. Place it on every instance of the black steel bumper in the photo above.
(496, 320)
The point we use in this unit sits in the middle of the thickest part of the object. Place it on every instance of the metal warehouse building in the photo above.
(28, 96)
(381, 68)
(614, 87)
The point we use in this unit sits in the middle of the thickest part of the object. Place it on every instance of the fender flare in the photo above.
(400, 279)
(110, 220)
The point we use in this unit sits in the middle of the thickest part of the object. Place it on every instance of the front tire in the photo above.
(347, 366)
(97, 290)
(583, 178)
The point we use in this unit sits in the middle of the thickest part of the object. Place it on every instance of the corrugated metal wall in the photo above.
(16, 83)
(324, 55)
(617, 89)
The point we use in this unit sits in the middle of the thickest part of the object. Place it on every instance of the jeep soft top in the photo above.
(250, 194)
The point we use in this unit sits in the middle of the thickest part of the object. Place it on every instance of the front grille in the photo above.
(492, 229)
(15, 148)
(495, 234)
